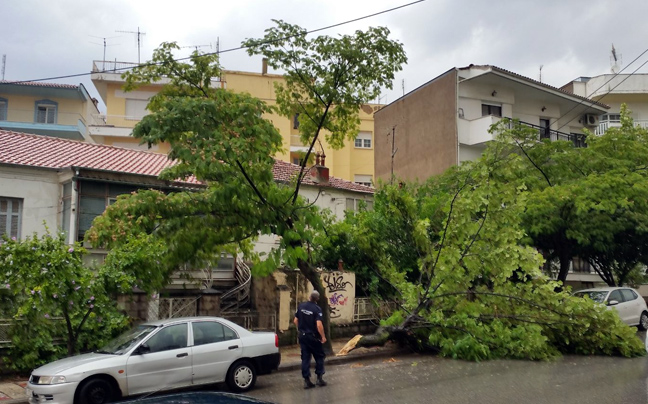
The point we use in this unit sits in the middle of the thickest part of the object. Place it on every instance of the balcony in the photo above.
(605, 125)
(68, 125)
(475, 132)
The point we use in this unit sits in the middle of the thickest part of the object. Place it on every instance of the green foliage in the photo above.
(55, 299)
(476, 291)
(589, 202)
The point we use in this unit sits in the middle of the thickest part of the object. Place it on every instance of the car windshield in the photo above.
(127, 340)
(596, 295)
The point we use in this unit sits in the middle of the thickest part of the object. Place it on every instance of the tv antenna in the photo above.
(615, 60)
(103, 67)
(541, 66)
(196, 47)
(139, 40)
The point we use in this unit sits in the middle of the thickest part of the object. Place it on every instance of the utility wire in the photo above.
(592, 102)
(226, 50)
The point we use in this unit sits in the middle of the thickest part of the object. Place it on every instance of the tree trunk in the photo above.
(313, 277)
(565, 261)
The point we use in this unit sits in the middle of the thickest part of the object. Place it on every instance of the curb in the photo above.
(340, 360)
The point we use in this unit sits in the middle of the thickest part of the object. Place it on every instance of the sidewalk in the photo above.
(13, 392)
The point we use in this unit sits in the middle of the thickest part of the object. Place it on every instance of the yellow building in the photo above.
(354, 162)
(50, 109)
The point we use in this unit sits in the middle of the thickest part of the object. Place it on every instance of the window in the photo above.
(611, 117)
(615, 295)
(208, 332)
(3, 109)
(45, 111)
(10, 214)
(363, 141)
(494, 110)
(296, 121)
(353, 204)
(136, 109)
(545, 131)
(94, 198)
(168, 338)
(628, 295)
(363, 179)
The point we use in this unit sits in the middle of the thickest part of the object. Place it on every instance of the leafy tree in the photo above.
(588, 202)
(480, 293)
(222, 139)
(54, 297)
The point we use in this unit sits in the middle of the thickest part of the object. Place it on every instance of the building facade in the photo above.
(354, 162)
(445, 121)
(58, 110)
(614, 90)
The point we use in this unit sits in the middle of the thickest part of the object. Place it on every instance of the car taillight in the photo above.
(276, 341)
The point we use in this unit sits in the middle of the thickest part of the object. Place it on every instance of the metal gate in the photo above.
(173, 307)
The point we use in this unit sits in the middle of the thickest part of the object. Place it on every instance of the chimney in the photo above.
(340, 265)
(319, 172)
(264, 66)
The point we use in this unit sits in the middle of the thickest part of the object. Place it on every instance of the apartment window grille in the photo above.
(45, 111)
(136, 109)
(363, 141)
(10, 216)
(363, 179)
(4, 106)
(494, 110)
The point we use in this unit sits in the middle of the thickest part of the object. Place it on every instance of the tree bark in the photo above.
(313, 277)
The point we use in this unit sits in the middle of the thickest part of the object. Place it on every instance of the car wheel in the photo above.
(241, 376)
(643, 321)
(95, 391)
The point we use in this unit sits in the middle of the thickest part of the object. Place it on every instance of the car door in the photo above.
(632, 305)
(215, 348)
(165, 362)
(621, 307)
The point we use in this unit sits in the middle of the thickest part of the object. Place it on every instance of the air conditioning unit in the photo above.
(590, 120)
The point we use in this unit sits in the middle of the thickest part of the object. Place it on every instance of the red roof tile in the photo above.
(39, 84)
(24, 149)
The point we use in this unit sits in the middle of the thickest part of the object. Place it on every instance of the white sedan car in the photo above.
(160, 355)
(626, 301)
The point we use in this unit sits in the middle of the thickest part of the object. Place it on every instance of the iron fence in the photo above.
(365, 308)
(175, 307)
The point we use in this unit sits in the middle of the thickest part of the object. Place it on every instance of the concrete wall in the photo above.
(41, 195)
(425, 131)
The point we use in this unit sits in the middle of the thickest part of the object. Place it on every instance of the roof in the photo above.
(40, 84)
(24, 149)
(539, 83)
(285, 172)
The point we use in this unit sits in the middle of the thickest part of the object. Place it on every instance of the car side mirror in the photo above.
(613, 302)
(142, 349)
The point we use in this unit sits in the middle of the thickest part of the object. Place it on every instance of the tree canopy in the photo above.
(223, 140)
(586, 202)
(477, 290)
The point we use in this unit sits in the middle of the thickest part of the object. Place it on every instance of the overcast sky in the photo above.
(569, 38)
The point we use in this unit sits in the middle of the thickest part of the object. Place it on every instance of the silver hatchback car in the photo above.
(626, 301)
(156, 356)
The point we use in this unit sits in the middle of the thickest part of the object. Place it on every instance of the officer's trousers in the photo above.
(310, 345)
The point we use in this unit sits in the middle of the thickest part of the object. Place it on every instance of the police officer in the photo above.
(308, 320)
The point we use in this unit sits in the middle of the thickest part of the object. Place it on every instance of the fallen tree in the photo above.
(479, 292)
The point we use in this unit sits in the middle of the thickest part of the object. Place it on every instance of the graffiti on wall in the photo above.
(340, 291)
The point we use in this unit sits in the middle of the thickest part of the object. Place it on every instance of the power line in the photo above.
(226, 50)
(592, 102)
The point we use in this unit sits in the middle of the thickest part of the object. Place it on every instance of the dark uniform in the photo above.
(308, 313)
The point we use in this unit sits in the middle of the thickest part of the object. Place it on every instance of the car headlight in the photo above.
(51, 380)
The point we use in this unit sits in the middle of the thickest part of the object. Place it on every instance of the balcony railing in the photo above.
(605, 125)
(553, 135)
(110, 66)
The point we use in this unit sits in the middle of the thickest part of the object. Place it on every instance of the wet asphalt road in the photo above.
(427, 379)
